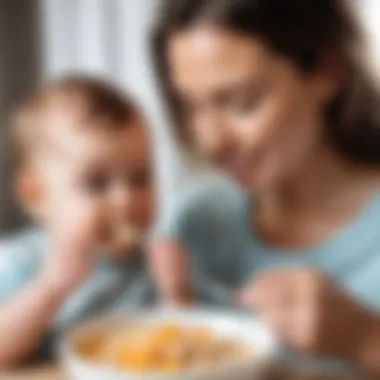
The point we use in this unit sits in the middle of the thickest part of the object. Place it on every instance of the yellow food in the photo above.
(166, 349)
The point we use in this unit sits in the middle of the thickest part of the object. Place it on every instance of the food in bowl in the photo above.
(164, 348)
(80, 348)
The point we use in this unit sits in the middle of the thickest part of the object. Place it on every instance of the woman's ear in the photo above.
(28, 190)
(332, 73)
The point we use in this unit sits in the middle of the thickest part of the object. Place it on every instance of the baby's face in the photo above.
(107, 173)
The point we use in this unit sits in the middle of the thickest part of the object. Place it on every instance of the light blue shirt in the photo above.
(212, 219)
(114, 287)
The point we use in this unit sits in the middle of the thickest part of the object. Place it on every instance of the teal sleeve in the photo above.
(202, 210)
(20, 260)
(206, 219)
(185, 217)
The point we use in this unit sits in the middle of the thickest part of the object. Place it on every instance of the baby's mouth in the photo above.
(123, 240)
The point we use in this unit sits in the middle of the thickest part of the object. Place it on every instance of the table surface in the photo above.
(54, 373)
(40, 373)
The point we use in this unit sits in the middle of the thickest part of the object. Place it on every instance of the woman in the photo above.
(274, 92)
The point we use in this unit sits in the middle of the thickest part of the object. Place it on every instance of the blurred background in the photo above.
(43, 39)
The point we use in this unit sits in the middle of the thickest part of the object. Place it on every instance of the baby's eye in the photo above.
(245, 104)
(140, 179)
(96, 185)
(187, 110)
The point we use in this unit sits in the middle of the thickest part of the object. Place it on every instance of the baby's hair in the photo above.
(91, 101)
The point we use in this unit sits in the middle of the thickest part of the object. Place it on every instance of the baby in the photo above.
(84, 175)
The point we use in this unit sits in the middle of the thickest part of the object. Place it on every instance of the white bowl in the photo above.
(229, 324)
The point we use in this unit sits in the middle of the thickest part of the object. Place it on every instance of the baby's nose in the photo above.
(122, 204)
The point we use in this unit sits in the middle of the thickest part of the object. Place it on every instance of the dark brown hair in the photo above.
(303, 31)
(93, 103)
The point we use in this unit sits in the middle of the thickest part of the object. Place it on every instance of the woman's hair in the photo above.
(303, 31)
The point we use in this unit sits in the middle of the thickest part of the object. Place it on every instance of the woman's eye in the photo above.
(244, 106)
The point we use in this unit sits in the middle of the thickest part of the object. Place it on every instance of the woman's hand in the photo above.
(311, 314)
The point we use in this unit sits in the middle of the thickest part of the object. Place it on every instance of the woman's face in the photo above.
(249, 110)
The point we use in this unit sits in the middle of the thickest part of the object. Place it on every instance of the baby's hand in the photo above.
(170, 269)
(71, 261)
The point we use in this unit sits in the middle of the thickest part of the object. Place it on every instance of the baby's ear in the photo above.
(28, 190)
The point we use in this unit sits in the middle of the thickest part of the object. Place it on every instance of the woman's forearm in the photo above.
(24, 320)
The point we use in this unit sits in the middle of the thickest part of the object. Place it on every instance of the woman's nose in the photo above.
(219, 144)
(214, 136)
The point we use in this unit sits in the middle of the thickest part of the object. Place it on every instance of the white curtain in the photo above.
(370, 13)
(110, 38)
